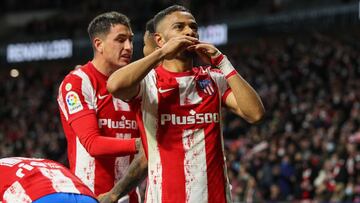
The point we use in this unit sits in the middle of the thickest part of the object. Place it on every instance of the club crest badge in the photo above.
(206, 86)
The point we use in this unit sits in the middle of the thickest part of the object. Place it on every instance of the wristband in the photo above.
(223, 63)
(216, 61)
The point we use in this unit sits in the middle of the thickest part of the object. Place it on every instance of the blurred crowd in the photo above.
(66, 19)
(29, 116)
(300, 151)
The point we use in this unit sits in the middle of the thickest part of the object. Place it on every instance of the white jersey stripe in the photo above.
(188, 93)
(154, 189)
(120, 105)
(195, 167)
(87, 89)
(227, 186)
(155, 167)
(9, 162)
(16, 194)
(59, 181)
(61, 103)
(85, 165)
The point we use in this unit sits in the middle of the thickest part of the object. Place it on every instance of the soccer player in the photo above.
(149, 41)
(99, 128)
(40, 181)
(181, 110)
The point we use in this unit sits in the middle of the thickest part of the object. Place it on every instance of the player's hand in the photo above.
(138, 144)
(104, 198)
(205, 51)
(176, 45)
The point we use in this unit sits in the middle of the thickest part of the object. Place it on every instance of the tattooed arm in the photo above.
(135, 175)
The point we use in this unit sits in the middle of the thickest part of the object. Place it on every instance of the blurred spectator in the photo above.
(312, 102)
(28, 111)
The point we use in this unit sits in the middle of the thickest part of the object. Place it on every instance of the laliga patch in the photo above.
(73, 102)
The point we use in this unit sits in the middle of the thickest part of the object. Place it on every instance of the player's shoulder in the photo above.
(152, 73)
(51, 163)
(11, 161)
(71, 79)
(78, 74)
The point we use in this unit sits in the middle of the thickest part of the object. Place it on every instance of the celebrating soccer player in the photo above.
(100, 128)
(181, 110)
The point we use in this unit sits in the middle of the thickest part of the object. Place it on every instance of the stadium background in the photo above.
(303, 58)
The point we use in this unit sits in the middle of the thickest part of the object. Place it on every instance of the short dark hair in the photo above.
(102, 23)
(150, 26)
(167, 11)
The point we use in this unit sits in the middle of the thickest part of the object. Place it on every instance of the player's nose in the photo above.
(190, 32)
(128, 45)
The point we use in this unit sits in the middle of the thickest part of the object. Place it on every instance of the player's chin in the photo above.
(120, 65)
(123, 62)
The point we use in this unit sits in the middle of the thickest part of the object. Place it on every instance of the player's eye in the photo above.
(194, 27)
(178, 26)
(121, 40)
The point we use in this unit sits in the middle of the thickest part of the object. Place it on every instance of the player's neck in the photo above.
(176, 65)
(102, 66)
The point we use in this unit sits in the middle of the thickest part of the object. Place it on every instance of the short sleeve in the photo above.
(76, 96)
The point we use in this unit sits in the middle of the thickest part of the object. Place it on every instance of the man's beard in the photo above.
(188, 54)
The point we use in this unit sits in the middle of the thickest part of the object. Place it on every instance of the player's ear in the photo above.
(98, 44)
(159, 39)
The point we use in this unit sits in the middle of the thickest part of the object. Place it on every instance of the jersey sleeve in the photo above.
(75, 98)
(220, 80)
(86, 128)
(8, 169)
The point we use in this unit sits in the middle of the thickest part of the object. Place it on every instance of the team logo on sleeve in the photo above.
(73, 102)
(206, 86)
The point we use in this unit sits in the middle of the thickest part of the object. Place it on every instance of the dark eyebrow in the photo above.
(178, 23)
(194, 24)
(182, 23)
(124, 35)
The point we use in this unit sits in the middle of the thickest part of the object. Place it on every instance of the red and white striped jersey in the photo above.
(24, 180)
(82, 92)
(182, 135)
